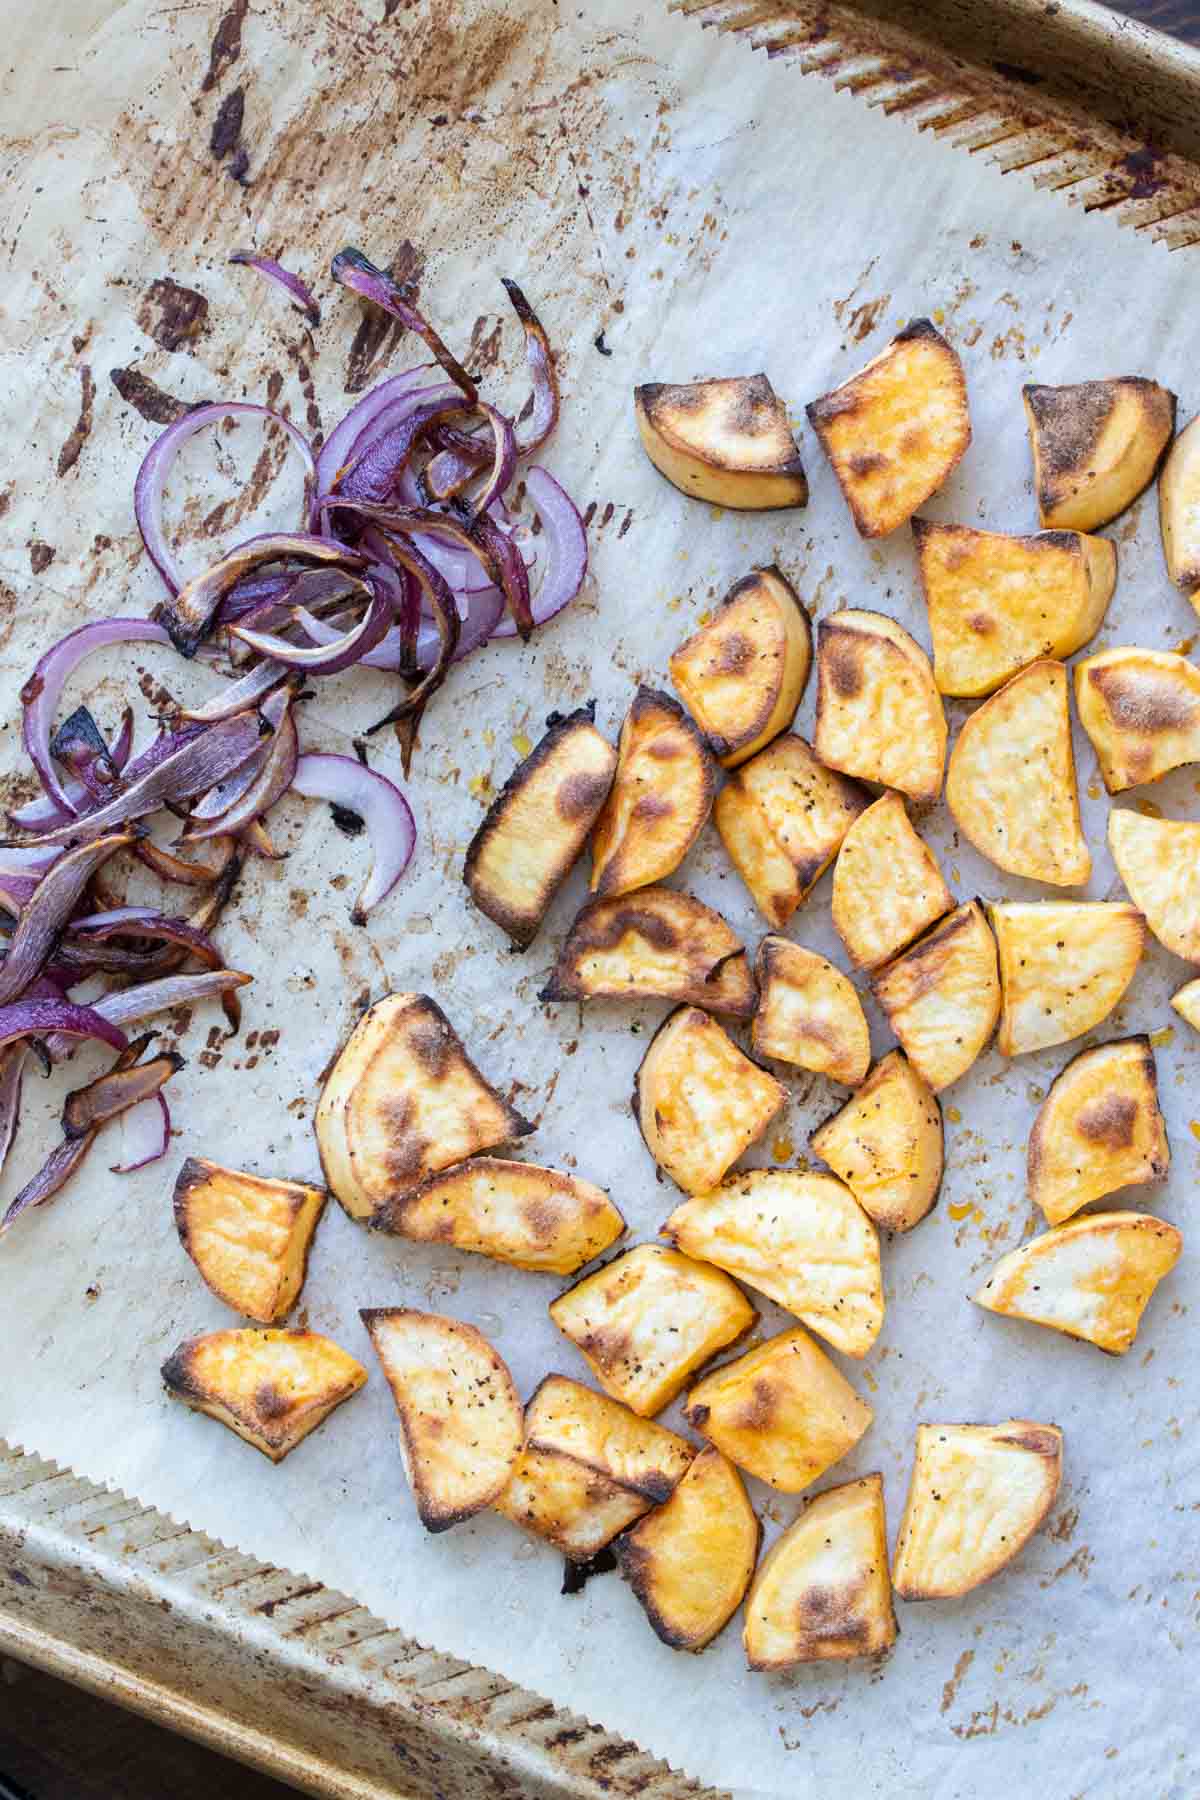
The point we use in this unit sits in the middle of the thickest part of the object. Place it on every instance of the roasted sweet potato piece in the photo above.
(886, 1144)
(1096, 446)
(809, 1013)
(460, 1419)
(1010, 782)
(589, 1468)
(976, 1496)
(701, 1103)
(248, 1236)
(538, 824)
(823, 1591)
(646, 1321)
(997, 602)
(894, 431)
(690, 1560)
(942, 997)
(879, 715)
(271, 1387)
(781, 816)
(887, 887)
(655, 944)
(1179, 510)
(1141, 710)
(1064, 964)
(1159, 862)
(802, 1240)
(1098, 1129)
(660, 798)
(1091, 1278)
(1187, 1003)
(514, 1212)
(403, 1101)
(741, 675)
(724, 441)
(783, 1411)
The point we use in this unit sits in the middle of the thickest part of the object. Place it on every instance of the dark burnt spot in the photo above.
(1068, 422)
(171, 314)
(840, 663)
(378, 334)
(651, 807)
(226, 133)
(576, 1576)
(350, 823)
(41, 556)
(269, 1403)
(1143, 701)
(982, 624)
(541, 1216)
(656, 1486)
(867, 462)
(146, 398)
(755, 410)
(647, 924)
(736, 653)
(757, 1411)
(431, 1043)
(600, 344)
(1144, 167)
(226, 45)
(68, 456)
(580, 796)
(1038, 1441)
(607, 1348)
(919, 328)
(1109, 1121)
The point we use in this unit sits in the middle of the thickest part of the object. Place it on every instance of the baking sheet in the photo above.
(708, 212)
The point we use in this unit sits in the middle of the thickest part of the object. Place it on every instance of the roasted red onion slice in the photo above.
(176, 868)
(533, 431)
(12, 1076)
(378, 802)
(238, 695)
(39, 1018)
(128, 1006)
(514, 576)
(145, 1135)
(80, 748)
(343, 440)
(300, 295)
(374, 472)
(273, 779)
(41, 693)
(330, 658)
(355, 272)
(189, 762)
(89, 942)
(51, 905)
(566, 552)
(480, 613)
(27, 859)
(152, 476)
(114, 1092)
(53, 1175)
(189, 614)
(406, 714)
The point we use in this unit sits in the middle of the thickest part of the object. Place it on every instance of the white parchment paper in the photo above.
(711, 213)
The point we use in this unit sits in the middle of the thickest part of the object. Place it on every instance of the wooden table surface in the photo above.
(57, 1743)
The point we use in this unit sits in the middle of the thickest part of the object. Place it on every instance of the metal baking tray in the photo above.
(285, 1674)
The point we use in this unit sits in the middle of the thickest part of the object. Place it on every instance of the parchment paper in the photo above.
(710, 213)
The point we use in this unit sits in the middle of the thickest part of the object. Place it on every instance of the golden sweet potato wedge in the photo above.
(781, 816)
(660, 798)
(646, 1321)
(823, 1590)
(886, 1144)
(942, 997)
(655, 944)
(1159, 862)
(894, 431)
(809, 1013)
(1141, 710)
(690, 1561)
(460, 1419)
(725, 441)
(997, 602)
(802, 1240)
(1064, 964)
(403, 1101)
(879, 715)
(1090, 1279)
(1096, 446)
(1179, 510)
(976, 1496)
(1187, 1003)
(701, 1103)
(514, 1212)
(1010, 782)
(589, 1468)
(1098, 1129)
(538, 824)
(783, 1411)
(271, 1387)
(741, 675)
(248, 1236)
(887, 887)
